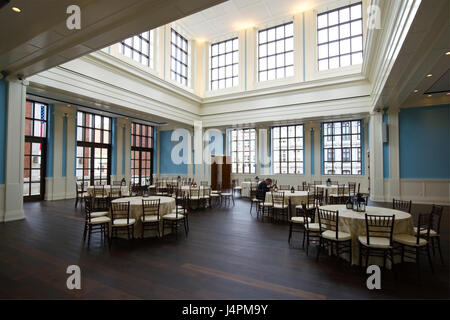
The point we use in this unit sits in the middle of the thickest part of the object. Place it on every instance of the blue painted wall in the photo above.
(424, 135)
(166, 166)
(3, 100)
(50, 140)
(385, 151)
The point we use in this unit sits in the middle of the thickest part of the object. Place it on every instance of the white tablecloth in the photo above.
(245, 185)
(354, 223)
(90, 189)
(329, 190)
(296, 198)
(167, 205)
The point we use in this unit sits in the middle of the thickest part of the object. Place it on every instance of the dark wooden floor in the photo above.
(228, 255)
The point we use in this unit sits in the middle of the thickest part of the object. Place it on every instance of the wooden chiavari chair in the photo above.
(412, 246)
(175, 218)
(95, 221)
(237, 187)
(80, 193)
(263, 209)
(205, 198)
(194, 197)
(121, 220)
(227, 197)
(330, 236)
(150, 216)
(253, 200)
(435, 234)
(351, 189)
(378, 239)
(215, 196)
(279, 207)
(339, 196)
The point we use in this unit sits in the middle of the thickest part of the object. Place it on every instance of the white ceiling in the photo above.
(38, 39)
(230, 16)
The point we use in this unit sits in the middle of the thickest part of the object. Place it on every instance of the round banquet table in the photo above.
(355, 223)
(245, 187)
(167, 205)
(90, 189)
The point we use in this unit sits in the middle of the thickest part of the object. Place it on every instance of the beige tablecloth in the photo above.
(123, 189)
(167, 205)
(245, 187)
(296, 198)
(354, 223)
(329, 190)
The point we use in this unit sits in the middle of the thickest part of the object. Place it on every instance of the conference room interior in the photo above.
(225, 150)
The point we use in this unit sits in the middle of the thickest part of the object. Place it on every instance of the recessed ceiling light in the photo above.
(415, 91)
(429, 96)
(429, 75)
(15, 9)
(447, 53)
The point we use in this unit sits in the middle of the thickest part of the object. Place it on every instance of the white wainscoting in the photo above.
(294, 180)
(421, 191)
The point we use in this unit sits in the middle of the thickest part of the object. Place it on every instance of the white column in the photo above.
(394, 154)
(376, 157)
(123, 148)
(71, 115)
(15, 141)
(198, 149)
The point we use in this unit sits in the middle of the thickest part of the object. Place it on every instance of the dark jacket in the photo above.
(262, 186)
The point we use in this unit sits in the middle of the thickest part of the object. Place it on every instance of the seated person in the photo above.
(264, 185)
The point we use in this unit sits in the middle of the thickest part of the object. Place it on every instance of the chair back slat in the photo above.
(328, 220)
(120, 210)
(402, 205)
(150, 207)
(351, 189)
(380, 227)
(278, 198)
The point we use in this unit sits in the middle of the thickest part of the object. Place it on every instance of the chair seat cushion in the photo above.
(267, 204)
(215, 195)
(279, 206)
(151, 218)
(100, 220)
(227, 194)
(409, 240)
(205, 197)
(375, 242)
(424, 232)
(300, 220)
(312, 227)
(123, 222)
(173, 216)
(237, 188)
(331, 235)
(99, 214)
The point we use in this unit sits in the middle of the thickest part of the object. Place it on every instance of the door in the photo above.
(34, 169)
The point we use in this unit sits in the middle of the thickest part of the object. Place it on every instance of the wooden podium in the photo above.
(220, 172)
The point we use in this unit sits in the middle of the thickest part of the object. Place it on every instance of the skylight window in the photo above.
(276, 52)
(225, 64)
(340, 37)
(179, 58)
